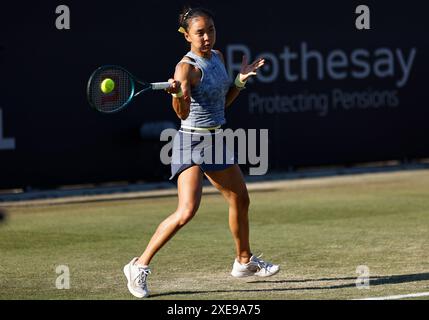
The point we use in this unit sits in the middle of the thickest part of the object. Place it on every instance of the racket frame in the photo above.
(133, 80)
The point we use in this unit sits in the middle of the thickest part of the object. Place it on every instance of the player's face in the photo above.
(202, 34)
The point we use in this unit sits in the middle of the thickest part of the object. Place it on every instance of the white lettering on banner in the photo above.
(295, 103)
(308, 64)
(322, 103)
(5, 143)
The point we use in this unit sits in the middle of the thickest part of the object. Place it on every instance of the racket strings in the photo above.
(118, 97)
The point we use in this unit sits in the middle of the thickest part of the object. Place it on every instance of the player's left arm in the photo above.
(246, 71)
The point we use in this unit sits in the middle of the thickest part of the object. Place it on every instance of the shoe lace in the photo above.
(143, 273)
(261, 264)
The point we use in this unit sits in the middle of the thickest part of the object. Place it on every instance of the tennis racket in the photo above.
(124, 87)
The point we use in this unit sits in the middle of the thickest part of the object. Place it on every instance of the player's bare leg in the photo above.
(230, 182)
(189, 187)
(189, 190)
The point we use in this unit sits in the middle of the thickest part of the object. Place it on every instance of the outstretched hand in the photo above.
(247, 71)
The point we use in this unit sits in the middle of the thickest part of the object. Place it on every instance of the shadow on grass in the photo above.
(374, 281)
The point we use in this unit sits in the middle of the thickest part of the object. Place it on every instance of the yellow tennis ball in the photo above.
(107, 85)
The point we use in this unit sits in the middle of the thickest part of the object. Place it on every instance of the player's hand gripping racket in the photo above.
(111, 88)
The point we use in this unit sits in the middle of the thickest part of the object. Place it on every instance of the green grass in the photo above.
(319, 233)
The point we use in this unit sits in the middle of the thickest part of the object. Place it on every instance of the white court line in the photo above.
(411, 295)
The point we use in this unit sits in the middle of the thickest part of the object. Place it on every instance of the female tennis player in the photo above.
(201, 90)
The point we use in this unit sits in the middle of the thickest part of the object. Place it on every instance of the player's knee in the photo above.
(186, 214)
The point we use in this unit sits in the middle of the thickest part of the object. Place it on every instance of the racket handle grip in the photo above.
(160, 85)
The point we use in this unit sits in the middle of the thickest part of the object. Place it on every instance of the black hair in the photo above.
(189, 13)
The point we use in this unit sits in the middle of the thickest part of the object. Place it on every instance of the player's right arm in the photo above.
(182, 80)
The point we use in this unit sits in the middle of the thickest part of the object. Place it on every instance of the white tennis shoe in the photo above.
(137, 279)
(255, 267)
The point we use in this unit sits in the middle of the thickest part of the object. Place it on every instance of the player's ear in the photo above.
(187, 37)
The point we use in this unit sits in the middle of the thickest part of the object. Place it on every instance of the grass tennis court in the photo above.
(318, 230)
